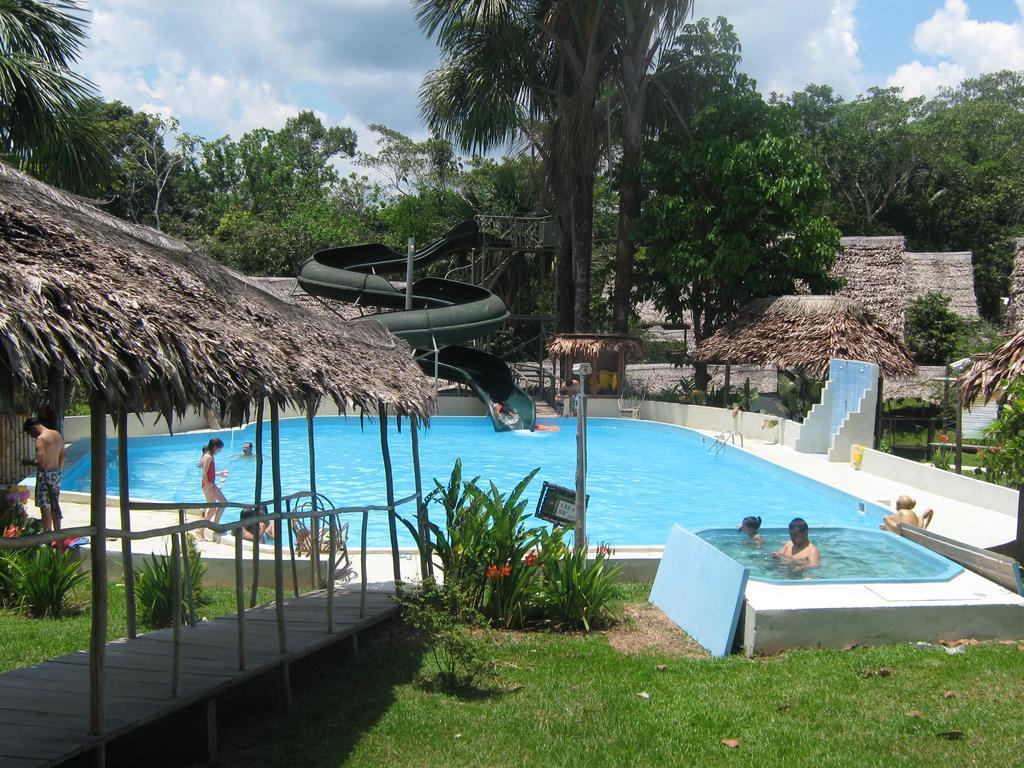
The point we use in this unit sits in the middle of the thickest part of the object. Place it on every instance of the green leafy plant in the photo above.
(1004, 459)
(575, 592)
(441, 619)
(44, 579)
(154, 588)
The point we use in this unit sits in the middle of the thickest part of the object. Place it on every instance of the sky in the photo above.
(226, 66)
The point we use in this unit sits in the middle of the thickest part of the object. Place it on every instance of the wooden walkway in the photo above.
(44, 710)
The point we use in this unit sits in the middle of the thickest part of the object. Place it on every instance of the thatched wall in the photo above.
(588, 346)
(805, 333)
(154, 325)
(875, 277)
(951, 274)
(1015, 311)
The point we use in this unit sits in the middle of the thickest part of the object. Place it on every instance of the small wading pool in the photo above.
(848, 556)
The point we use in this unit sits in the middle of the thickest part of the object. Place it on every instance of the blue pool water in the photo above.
(643, 476)
(847, 555)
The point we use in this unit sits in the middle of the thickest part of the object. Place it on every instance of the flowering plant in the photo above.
(14, 519)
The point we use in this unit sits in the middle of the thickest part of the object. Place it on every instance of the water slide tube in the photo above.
(444, 313)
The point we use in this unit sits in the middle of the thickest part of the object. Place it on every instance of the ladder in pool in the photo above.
(720, 440)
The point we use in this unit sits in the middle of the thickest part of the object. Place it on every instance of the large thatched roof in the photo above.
(1015, 312)
(875, 276)
(154, 325)
(590, 345)
(805, 333)
(990, 373)
(950, 273)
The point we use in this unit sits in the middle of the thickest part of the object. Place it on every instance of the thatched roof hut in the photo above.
(154, 325)
(875, 277)
(990, 373)
(1015, 311)
(590, 345)
(950, 273)
(805, 333)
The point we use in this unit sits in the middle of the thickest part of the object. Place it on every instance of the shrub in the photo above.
(575, 593)
(933, 330)
(1004, 460)
(43, 579)
(154, 588)
(439, 616)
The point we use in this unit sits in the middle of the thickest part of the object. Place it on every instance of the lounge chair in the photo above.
(629, 407)
(304, 539)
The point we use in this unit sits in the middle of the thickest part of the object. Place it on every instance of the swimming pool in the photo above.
(847, 556)
(643, 476)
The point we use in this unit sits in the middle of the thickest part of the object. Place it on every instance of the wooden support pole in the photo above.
(389, 483)
(258, 450)
(280, 528)
(725, 387)
(362, 564)
(186, 562)
(176, 610)
(98, 558)
(240, 596)
(126, 522)
(332, 554)
(314, 522)
(426, 558)
(291, 549)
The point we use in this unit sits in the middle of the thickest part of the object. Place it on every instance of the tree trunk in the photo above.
(582, 246)
(563, 271)
(629, 212)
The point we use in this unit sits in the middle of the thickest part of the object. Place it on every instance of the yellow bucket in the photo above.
(856, 455)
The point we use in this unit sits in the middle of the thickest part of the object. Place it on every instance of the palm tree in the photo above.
(528, 70)
(45, 127)
(644, 30)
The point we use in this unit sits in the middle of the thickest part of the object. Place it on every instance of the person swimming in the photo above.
(799, 551)
(247, 452)
(750, 526)
(905, 514)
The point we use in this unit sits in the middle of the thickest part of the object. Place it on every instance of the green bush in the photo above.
(154, 588)
(575, 593)
(8, 577)
(439, 616)
(1004, 460)
(933, 330)
(43, 580)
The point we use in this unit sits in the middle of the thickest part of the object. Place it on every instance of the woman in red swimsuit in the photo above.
(211, 491)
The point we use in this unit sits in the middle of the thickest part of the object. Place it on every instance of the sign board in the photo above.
(557, 504)
(701, 589)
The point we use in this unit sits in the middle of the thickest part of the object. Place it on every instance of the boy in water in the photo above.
(799, 551)
(49, 464)
(750, 526)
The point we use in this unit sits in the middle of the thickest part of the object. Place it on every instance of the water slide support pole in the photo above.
(408, 272)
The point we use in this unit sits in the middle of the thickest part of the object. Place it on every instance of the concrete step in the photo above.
(543, 409)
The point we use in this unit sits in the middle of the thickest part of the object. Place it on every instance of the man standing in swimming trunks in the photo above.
(49, 464)
(799, 551)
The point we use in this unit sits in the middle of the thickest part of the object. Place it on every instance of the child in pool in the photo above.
(750, 526)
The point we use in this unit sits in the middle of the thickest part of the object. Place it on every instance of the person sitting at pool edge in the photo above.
(799, 551)
(905, 514)
(247, 450)
(750, 526)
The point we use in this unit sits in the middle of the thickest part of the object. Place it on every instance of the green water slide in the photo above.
(444, 313)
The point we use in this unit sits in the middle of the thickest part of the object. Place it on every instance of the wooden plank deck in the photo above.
(44, 710)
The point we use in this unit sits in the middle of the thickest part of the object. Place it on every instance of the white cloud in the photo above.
(956, 46)
(790, 43)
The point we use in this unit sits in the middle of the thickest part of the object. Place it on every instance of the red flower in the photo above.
(506, 570)
(943, 438)
(12, 531)
(530, 559)
(493, 572)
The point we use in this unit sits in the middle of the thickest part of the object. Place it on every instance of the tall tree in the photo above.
(735, 206)
(43, 127)
(643, 31)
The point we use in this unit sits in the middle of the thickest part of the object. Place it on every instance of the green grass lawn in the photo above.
(25, 641)
(562, 700)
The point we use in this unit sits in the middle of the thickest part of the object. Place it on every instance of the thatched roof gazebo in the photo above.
(804, 333)
(140, 322)
(606, 352)
(989, 375)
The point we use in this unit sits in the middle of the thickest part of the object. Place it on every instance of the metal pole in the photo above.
(580, 531)
(258, 449)
(279, 526)
(98, 558)
(390, 488)
(331, 557)
(314, 522)
(959, 434)
(426, 560)
(408, 272)
(126, 521)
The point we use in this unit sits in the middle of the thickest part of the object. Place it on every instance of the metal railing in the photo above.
(291, 507)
